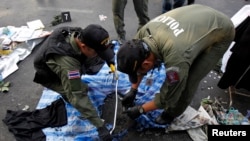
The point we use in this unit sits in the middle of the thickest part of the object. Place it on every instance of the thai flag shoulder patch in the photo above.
(74, 74)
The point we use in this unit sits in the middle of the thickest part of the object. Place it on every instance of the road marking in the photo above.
(63, 9)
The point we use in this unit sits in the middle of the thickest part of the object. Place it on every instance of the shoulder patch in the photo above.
(74, 74)
(173, 75)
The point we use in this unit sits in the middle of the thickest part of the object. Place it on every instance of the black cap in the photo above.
(97, 37)
(130, 57)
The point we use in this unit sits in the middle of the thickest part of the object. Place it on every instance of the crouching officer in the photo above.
(188, 47)
(68, 53)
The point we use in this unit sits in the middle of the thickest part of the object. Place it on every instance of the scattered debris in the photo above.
(26, 107)
(102, 17)
(57, 20)
(4, 86)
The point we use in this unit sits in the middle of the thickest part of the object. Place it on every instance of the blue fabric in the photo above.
(102, 84)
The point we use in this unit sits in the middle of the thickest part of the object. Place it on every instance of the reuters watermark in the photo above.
(241, 132)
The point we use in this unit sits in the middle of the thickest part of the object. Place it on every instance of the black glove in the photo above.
(134, 112)
(111, 61)
(128, 99)
(164, 118)
(104, 134)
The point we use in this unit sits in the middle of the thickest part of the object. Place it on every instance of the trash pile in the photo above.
(224, 116)
(16, 43)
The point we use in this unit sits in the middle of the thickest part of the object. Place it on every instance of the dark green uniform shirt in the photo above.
(190, 39)
(68, 69)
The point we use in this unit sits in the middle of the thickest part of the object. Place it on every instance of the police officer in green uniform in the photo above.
(118, 7)
(68, 53)
(189, 41)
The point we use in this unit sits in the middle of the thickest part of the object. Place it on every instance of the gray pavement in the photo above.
(83, 12)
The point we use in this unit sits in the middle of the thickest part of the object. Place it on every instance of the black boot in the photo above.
(164, 118)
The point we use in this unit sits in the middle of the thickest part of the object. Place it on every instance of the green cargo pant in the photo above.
(118, 7)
